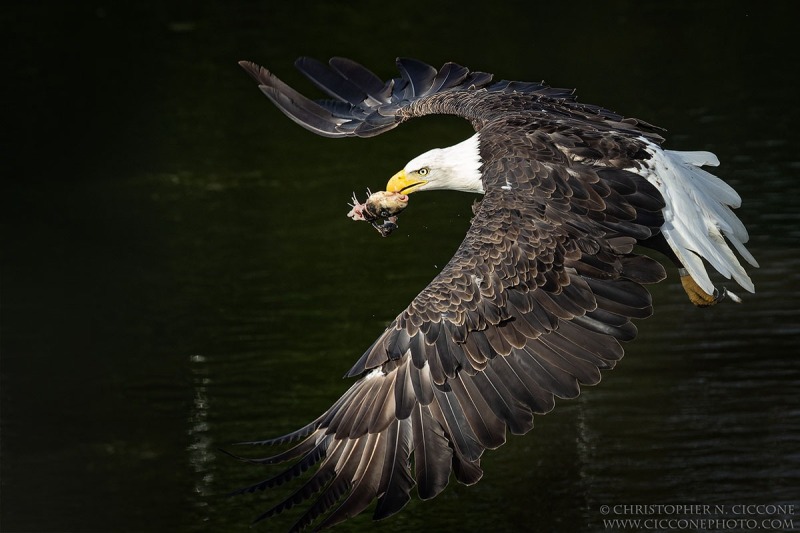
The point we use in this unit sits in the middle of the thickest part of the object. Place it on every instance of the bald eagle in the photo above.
(535, 300)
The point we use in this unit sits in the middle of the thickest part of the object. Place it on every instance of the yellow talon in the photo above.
(697, 296)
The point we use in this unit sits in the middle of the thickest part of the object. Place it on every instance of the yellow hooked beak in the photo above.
(401, 182)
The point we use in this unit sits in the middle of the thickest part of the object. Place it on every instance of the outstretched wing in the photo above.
(363, 105)
(533, 303)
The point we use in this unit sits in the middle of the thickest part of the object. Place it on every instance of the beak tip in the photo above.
(397, 182)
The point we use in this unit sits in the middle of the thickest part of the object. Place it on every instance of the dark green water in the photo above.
(178, 272)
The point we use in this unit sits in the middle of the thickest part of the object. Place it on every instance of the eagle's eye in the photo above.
(423, 171)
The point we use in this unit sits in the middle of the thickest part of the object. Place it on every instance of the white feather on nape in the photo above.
(698, 216)
(456, 168)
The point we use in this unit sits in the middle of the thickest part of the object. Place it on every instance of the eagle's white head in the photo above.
(457, 168)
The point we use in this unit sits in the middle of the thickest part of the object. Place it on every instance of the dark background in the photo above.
(178, 273)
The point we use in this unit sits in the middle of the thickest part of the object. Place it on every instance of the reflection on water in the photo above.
(206, 223)
(201, 452)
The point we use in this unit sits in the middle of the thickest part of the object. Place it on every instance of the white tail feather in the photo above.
(698, 216)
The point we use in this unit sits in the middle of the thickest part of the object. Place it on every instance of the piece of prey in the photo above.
(380, 209)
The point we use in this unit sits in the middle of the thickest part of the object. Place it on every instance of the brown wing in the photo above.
(362, 105)
(533, 303)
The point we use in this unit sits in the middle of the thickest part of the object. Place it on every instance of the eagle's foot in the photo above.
(701, 298)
